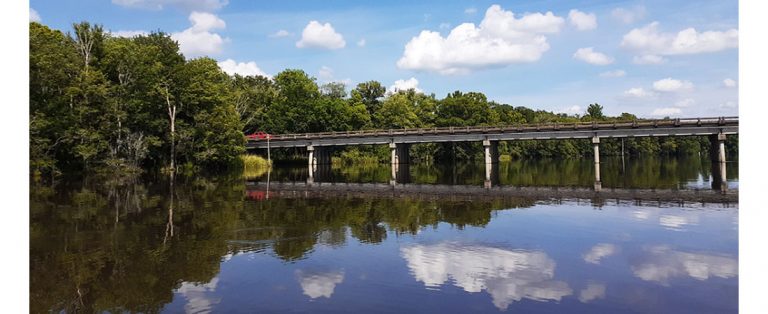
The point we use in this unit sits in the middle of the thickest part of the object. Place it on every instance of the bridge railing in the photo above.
(550, 126)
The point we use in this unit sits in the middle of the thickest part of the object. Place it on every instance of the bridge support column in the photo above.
(717, 148)
(401, 153)
(311, 151)
(491, 151)
(717, 156)
(596, 148)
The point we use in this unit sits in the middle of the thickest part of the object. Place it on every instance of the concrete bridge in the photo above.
(319, 145)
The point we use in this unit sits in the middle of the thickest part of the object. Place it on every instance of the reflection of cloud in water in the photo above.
(507, 275)
(675, 222)
(198, 296)
(662, 263)
(591, 292)
(597, 252)
(319, 284)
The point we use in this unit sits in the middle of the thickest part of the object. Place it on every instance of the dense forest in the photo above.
(99, 102)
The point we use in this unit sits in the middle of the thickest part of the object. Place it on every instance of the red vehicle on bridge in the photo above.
(258, 136)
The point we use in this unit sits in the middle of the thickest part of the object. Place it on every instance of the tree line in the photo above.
(104, 102)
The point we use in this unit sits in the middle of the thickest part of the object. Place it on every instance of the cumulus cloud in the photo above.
(361, 43)
(648, 59)
(404, 85)
(661, 263)
(598, 252)
(593, 291)
(507, 275)
(33, 16)
(649, 40)
(281, 33)
(200, 298)
(677, 223)
(571, 110)
(672, 85)
(325, 73)
(128, 33)
(233, 67)
(189, 5)
(729, 82)
(319, 284)
(316, 35)
(614, 73)
(444, 25)
(628, 16)
(685, 103)
(500, 39)
(590, 56)
(198, 40)
(664, 112)
(639, 92)
(582, 21)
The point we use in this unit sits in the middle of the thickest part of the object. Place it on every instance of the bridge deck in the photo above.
(581, 130)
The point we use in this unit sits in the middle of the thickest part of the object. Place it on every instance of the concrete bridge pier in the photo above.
(319, 155)
(491, 151)
(401, 153)
(596, 147)
(717, 148)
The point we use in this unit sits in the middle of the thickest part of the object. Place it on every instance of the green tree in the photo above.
(595, 111)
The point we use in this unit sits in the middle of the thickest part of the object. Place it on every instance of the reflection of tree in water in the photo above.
(107, 245)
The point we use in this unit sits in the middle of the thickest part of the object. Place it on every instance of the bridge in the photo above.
(320, 145)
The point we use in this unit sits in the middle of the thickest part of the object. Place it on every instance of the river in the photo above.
(537, 238)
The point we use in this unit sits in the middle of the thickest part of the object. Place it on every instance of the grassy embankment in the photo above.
(254, 166)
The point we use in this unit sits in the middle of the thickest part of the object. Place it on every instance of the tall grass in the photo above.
(254, 166)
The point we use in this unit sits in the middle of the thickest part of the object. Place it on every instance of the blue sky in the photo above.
(651, 58)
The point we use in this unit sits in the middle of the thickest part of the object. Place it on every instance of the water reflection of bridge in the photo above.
(640, 197)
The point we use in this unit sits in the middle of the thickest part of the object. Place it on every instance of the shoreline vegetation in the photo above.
(126, 105)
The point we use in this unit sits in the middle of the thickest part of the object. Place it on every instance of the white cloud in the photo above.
(316, 35)
(571, 110)
(200, 297)
(661, 263)
(729, 82)
(628, 16)
(639, 92)
(507, 275)
(598, 252)
(320, 284)
(127, 33)
(685, 103)
(325, 73)
(189, 5)
(232, 67)
(500, 39)
(593, 291)
(361, 43)
(729, 104)
(582, 21)
(470, 10)
(649, 40)
(672, 85)
(676, 222)
(404, 85)
(590, 56)
(444, 25)
(664, 112)
(648, 59)
(614, 73)
(33, 16)
(281, 33)
(198, 40)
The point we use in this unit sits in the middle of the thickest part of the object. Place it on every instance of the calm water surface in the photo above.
(223, 244)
